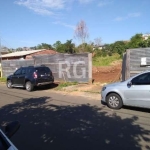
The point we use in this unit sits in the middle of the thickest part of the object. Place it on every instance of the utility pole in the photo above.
(0, 50)
(0, 60)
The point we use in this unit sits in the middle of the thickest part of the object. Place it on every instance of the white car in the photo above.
(135, 91)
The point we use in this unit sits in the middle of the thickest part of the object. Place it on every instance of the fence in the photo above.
(135, 61)
(65, 67)
(9, 66)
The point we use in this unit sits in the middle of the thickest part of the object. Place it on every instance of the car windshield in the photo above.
(130, 77)
(43, 70)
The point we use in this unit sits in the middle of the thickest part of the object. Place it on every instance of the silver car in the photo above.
(133, 92)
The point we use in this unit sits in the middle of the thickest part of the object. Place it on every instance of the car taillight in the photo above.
(35, 75)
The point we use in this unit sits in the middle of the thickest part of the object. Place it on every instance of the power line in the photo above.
(0, 53)
(5, 42)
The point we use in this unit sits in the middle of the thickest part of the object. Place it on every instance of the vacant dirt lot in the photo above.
(101, 76)
(106, 74)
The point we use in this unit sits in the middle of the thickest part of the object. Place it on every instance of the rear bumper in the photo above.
(44, 83)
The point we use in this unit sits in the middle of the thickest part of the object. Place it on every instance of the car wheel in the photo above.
(114, 101)
(9, 84)
(29, 86)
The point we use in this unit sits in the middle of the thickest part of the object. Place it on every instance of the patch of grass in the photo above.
(65, 84)
(2, 79)
(105, 61)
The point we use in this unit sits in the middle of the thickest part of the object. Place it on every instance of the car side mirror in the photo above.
(12, 128)
(129, 84)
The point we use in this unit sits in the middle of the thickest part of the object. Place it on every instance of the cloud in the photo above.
(50, 7)
(104, 3)
(131, 15)
(64, 24)
(120, 18)
(44, 7)
(134, 15)
(85, 1)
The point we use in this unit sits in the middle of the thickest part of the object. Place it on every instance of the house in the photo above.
(146, 36)
(26, 54)
(100, 47)
(4, 50)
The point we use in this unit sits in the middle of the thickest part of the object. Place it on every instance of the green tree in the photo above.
(136, 41)
(33, 48)
(59, 47)
(44, 46)
(19, 49)
(148, 42)
(69, 47)
(85, 47)
(57, 44)
(145, 43)
(119, 47)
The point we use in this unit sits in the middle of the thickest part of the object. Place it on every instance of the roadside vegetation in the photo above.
(103, 54)
(65, 84)
(105, 61)
(2, 79)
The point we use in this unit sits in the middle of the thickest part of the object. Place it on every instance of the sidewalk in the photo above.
(90, 91)
(91, 96)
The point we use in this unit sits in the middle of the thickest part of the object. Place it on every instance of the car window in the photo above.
(47, 69)
(43, 70)
(29, 70)
(18, 72)
(23, 71)
(143, 79)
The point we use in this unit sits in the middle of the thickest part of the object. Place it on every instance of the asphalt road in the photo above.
(51, 121)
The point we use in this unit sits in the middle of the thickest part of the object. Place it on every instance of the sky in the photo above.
(27, 23)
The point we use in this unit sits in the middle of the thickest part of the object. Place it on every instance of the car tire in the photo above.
(29, 86)
(114, 101)
(9, 84)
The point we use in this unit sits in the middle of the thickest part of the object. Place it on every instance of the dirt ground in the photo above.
(101, 76)
(107, 74)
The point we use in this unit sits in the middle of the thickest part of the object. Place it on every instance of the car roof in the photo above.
(146, 71)
(40, 67)
(34, 66)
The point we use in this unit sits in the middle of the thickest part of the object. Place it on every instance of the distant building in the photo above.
(4, 50)
(145, 36)
(126, 41)
(26, 54)
(100, 47)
